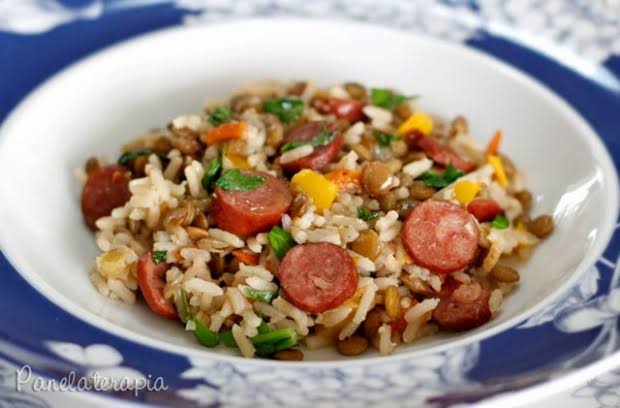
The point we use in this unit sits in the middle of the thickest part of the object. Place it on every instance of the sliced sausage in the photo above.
(106, 188)
(438, 153)
(440, 236)
(317, 277)
(321, 155)
(348, 109)
(484, 209)
(246, 213)
(151, 281)
(467, 307)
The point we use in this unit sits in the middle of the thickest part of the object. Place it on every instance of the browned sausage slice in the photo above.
(440, 236)
(465, 308)
(317, 277)
(321, 155)
(106, 188)
(246, 213)
(438, 153)
(151, 278)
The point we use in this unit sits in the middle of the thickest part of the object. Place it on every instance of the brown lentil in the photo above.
(458, 126)
(139, 164)
(289, 355)
(275, 130)
(367, 244)
(372, 323)
(180, 216)
(298, 88)
(240, 103)
(503, 273)
(162, 145)
(91, 165)
(299, 205)
(399, 148)
(403, 111)
(417, 286)
(353, 346)
(395, 165)
(392, 302)
(355, 90)
(196, 233)
(376, 178)
(200, 221)
(541, 226)
(388, 201)
(361, 151)
(525, 198)
(420, 191)
(524, 252)
(187, 144)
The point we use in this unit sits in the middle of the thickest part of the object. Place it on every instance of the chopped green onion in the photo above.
(263, 328)
(221, 114)
(366, 215)
(386, 98)
(234, 180)
(131, 156)
(267, 349)
(182, 305)
(212, 173)
(322, 139)
(433, 179)
(287, 109)
(159, 256)
(385, 139)
(500, 222)
(204, 335)
(228, 339)
(264, 296)
(281, 241)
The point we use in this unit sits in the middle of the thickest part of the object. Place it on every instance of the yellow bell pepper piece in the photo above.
(418, 121)
(500, 174)
(316, 186)
(465, 191)
(240, 162)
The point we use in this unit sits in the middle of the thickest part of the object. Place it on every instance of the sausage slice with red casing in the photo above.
(106, 188)
(467, 307)
(440, 236)
(322, 155)
(348, 109)
(484, 209)
(247, 213)
(438, 153)
(151, 278)
(317, 277)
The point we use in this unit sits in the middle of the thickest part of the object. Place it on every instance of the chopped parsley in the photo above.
(235, 180)
(385, 139)
(366, 215)
(264, 296)
(281, 241)
(159, 256)
(212, 173)
(128, 157)
(387, 99)
(433, 179)
(287, 109)
(221, 114)
(500, 222)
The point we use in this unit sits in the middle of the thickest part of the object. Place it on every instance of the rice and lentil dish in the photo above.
(292, 214)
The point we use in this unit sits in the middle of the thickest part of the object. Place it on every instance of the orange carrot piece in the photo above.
(493, 146)
(246, 257)
(225, 131)
(345, 179)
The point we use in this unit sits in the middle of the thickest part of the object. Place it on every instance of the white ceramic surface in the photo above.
(108, 99)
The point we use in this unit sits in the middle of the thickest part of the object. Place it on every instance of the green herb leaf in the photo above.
(263, 328)
(386, 98)
(322, 139)
(281, 241)
(273, 337)
(265, 296)
(228, 339)
(159, 256)
(500, 222)
(212, 173)
(182, 305)
(234, 180)
(204, 335)
(267, 349)
(450, 175)
(221, 114)
(366, 215)
(287, 109)
(385, 139)
(128, 157)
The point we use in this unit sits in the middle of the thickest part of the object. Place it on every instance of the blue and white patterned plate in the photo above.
(571, 46)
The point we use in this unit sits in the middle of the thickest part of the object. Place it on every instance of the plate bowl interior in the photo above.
(110, 98)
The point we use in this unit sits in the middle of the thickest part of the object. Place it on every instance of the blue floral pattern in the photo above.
(588, 315)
